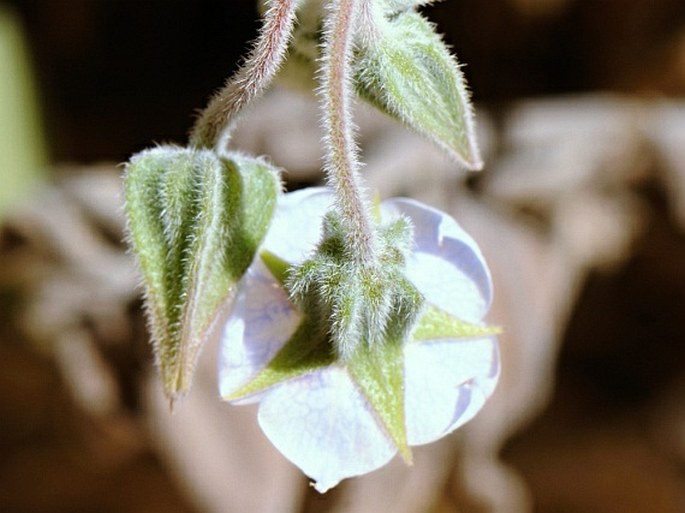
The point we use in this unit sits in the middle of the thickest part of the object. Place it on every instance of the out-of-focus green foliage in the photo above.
(22, 147)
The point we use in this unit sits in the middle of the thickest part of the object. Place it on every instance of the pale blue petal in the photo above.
(447, 265)
(262, 320)
(323, 424)
(296, 227)
(446, 383)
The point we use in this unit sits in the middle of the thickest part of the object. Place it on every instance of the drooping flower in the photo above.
(334, 417)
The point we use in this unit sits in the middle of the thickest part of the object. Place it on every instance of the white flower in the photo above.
(317, 415)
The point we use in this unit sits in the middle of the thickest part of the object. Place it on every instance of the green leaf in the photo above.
(436, 324)
(404, 68)
(195, 221)
(23, 155)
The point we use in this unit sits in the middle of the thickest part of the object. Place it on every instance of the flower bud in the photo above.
(195, 221)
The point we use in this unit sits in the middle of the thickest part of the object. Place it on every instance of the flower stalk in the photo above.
(341, 163)
(213, 127)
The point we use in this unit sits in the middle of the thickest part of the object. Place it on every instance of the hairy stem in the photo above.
(342, 166)
(214, 125)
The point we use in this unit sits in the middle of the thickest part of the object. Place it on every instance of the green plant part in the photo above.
(404, 68)
(401, 66)
(195, 221)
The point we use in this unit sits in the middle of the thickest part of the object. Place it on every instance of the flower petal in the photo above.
(323, 424)
(262, 320)
(447, 265)
(446, 384)
(322, 421)
(296, 227)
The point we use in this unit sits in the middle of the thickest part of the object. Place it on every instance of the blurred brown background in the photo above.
(116, 75)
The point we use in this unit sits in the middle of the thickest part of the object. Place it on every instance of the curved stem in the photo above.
(342, 166)
(214, 125)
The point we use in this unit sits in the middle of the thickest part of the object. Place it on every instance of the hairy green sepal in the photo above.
(375, 366)
(360, 304)
(436, 324)
(195, 221)
(379, 373)
(405, 69)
